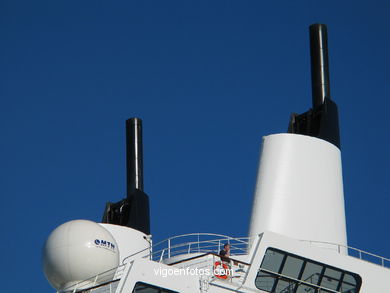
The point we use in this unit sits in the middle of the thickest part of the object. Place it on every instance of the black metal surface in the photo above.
(134, 155)
(133, 211)
(322, 120)
(319, 64)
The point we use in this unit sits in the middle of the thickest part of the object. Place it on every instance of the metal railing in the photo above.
(144, 253)
(354, 252)
(197, 243)
(105, 282)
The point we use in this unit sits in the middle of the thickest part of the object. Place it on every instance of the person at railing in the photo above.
(225, 253)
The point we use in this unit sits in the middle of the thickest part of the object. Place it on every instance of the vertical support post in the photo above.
(94, 281)
(169, 247)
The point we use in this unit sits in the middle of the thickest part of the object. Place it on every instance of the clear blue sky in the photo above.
(209, 79)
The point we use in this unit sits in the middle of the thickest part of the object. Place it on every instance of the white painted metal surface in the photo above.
(129, 240)
(299, 190)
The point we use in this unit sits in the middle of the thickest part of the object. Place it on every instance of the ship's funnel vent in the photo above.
(322, 120)
(299, 189)
(133, 211)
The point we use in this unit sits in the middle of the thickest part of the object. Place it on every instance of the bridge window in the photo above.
(147, 288)
(283, 272)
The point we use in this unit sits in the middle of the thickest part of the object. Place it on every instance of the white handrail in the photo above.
(200, 243)
(108, 277)
(361, 253)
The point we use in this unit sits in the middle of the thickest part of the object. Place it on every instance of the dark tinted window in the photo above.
(147, 288)
(283, 272)
(348, 285)
(331, 279)
(312, 273)
(306, 289)
(292, 267)
(285, 286)
(265, 281)
(272, 260)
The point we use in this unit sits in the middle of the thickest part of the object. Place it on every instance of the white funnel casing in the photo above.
(299, 190)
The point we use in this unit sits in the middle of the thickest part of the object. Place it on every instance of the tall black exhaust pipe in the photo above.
(321, 120)
(319, 64)
(133, 211)
(134, 155)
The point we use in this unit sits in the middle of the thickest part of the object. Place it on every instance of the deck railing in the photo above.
(103, 282)
(197, 243)
(354, 252)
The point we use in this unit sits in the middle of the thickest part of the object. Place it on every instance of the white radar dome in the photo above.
(78, 250)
